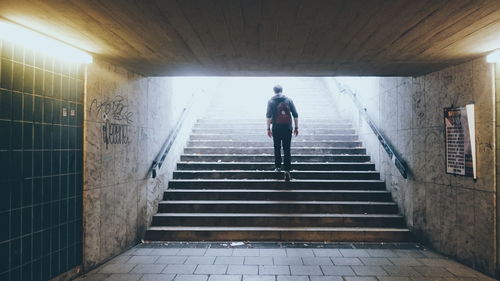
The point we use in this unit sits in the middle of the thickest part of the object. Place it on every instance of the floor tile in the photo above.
(381, 253)
(191, 278)
(348, 253)
(117, 268)
(349, 278)
(171, 259)
(393, 278)
(191, 252)
(166, 251)
(438, 262)
(401, 270)
(292, 278)
(243, 269)
(259, 260)
(229, 260)
(219, 252)
(200, 260)
(299, 253)
(305, 270)
(211, 269)
(142, 259)
(274, 270)
(433, 271)
(246, 252)
(326, 278)
(405, 261)
(179, 269)
(346, 261)
(148, 268)
(120, 259)
(259, 278)
(403, 253)
(272, 252)
(224, 278)
(376, 261)
(157, 277)
(462, 271)
(337, 270)
(287, 261)
(143, 252)
(317, 261)
(327, 253)
(123, 277)
(94, 277)
(369, 270)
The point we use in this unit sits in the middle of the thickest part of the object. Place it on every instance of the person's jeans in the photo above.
(282, 136)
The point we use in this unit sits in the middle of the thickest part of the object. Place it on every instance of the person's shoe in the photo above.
(287, 176)
(277, 169)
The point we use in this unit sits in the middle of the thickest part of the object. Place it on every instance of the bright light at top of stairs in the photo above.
(36, 41)
(493, 57)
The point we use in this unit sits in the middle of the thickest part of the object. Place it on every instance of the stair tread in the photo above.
(277, 190)
(264, 202)
(278, 215)
(229, 135)
(270, 180)
(271, 147)
(272, 172)
(267, 163)
(267, 228)
(268, 154)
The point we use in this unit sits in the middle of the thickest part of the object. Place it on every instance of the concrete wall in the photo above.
(128, 117)
(497, 146)
(453, 214)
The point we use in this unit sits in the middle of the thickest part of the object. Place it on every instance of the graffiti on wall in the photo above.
(117, 118)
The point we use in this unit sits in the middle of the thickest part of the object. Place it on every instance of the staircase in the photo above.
(225, 187)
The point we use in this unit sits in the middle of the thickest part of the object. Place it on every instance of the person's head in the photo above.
(278, 89)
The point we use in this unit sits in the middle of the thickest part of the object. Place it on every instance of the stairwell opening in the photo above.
(224, 186)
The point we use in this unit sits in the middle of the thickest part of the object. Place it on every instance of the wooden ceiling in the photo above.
(270, 37)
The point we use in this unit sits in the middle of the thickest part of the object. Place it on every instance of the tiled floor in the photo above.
(281, 262)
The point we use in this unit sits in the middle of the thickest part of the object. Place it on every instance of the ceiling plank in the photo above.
(253, 37)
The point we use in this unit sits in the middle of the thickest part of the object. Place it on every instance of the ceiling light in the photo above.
(493, 57)
(43, 44)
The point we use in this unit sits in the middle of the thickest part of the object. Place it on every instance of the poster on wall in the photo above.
(460, 141)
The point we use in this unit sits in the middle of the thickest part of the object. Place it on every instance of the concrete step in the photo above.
(317, 175)
(263, 137)
(270, 150)
(262, 125)
(269, 142)
(278, 220)
(277, 194)
(262, 120)
(246, 130)
(265, 206)
(270, 158)
(337, 234)
(269, 166)
(278, 184)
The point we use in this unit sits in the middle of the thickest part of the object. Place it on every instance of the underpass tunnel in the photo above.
(99, 101)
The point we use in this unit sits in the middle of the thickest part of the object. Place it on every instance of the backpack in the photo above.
(282, 113)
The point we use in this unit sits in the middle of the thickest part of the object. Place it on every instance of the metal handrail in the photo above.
(396, 159)
(158, 162)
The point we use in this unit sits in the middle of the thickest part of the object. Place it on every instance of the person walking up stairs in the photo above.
(280, 110)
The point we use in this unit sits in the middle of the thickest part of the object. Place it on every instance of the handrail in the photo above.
(396, 159)
(158, 162)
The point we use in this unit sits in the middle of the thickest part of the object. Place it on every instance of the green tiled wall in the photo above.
(41, 117)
